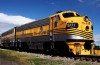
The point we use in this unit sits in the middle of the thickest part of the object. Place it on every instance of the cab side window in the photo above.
(56, 21)
(41, 29)
(57, 18)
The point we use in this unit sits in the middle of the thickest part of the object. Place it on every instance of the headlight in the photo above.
(87, 28)
(76, 37)
(86, 19)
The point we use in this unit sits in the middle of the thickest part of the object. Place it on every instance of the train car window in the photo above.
(66, 15)
(57, 18)
(55, 24)
(41, 29)
(56, 21)
(52, 19)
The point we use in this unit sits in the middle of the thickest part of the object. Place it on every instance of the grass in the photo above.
(83, 63)
(38, 61)
(15, 56)
(27, 59)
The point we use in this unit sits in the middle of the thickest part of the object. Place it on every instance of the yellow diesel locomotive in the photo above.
(65, 33)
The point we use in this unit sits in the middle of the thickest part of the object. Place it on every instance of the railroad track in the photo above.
(92, 58)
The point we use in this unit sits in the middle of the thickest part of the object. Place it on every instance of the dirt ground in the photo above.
(4, 61)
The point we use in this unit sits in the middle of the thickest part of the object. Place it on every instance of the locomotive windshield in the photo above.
(66, 15)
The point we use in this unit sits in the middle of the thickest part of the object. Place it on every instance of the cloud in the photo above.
(13, 19)
(5, 26)
(9, 21)
(97, 39)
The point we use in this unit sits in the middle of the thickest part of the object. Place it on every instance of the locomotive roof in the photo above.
(33, 24)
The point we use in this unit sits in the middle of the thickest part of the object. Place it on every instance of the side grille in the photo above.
(74, 31)
(86, 35)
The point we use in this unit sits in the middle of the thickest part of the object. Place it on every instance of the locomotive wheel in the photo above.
(24, 47)
(46, 47)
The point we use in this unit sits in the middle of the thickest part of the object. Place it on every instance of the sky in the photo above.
(17, 12)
